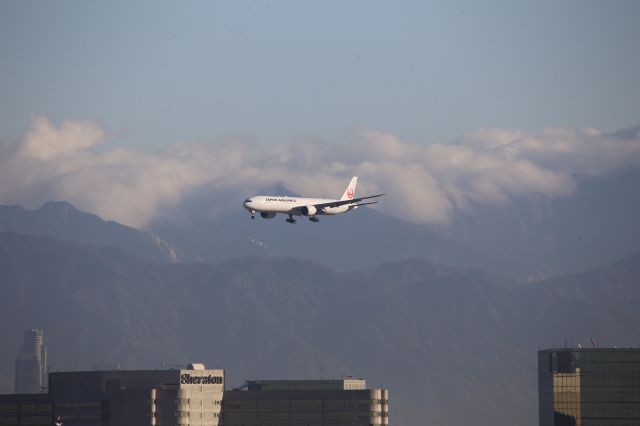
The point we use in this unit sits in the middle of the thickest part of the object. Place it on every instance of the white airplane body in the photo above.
(270, 205)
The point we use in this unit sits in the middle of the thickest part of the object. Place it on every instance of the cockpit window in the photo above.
(248, 200)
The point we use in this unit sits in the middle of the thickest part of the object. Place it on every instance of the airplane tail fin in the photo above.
(350, 192)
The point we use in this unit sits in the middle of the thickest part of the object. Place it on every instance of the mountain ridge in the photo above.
(452, 345)
(61, 220)
(530, 239)
(527, 238)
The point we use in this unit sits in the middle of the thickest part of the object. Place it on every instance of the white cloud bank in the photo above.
(424, 183)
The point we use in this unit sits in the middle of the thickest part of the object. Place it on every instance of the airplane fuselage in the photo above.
(270, 205)
(291, 205)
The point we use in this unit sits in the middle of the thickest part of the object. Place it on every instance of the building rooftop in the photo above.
(270, 385)
(592, 349)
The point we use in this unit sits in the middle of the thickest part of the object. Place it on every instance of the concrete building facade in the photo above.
(139, 397)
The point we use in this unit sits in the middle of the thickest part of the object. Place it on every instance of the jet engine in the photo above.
(267, 215)
(308, 210)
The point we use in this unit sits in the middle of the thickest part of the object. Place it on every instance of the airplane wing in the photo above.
(339, 203)
(364, 204)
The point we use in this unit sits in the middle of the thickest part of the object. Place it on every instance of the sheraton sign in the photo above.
(188, 379)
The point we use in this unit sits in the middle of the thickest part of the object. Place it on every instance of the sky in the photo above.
(134, 93)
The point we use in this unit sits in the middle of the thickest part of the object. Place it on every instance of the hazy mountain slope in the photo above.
(453, 346)
(344, 242)
(95, 303)
(62, 220)
(526, 238)
(601, 304)
(540, 237)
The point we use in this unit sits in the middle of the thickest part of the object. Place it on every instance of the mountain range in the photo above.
(448, 318)
(62, 220)
(527, 239)
(454, 345)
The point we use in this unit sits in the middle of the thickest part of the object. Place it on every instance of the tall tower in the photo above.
(31, 364)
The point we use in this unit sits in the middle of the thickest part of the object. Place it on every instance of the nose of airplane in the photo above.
(247, 203)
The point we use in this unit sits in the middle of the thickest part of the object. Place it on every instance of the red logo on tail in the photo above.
(350, 192)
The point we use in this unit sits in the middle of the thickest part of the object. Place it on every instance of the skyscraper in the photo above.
(31, 364)
(589, 387)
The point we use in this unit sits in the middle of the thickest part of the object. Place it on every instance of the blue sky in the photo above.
(131, 109)
(154, 74)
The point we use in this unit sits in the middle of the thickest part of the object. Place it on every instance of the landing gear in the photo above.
(314, 219)
(253, 214)
(291, 220)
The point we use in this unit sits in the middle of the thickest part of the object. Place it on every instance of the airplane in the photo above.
(270, 205)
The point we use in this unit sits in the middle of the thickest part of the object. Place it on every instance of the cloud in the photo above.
(424, 183)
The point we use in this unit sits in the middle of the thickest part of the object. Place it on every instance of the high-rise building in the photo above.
(589, 387)
(31, 367)
(306, 402)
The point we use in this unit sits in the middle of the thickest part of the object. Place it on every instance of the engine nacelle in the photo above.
(267, 215)
(308, 210)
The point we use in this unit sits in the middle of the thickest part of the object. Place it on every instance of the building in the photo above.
(26, 409)
(589, 387)
(305, 402)
(31, 365)
(138, 397)
(194, 396)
